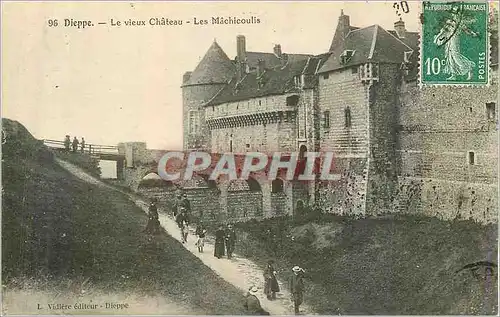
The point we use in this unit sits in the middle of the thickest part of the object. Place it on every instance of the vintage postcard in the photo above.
(249, 158)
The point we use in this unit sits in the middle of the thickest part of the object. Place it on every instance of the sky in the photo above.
(114, 84)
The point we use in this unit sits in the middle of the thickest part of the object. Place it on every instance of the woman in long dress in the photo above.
(219, 243)
(271, 286)
(455, 64)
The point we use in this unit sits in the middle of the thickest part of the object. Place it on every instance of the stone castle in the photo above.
(398, 148)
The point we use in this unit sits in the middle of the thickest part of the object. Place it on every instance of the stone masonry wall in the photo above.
(261, 138)
(384, 117)
(336, 92)
(193, 97)
(439, 126)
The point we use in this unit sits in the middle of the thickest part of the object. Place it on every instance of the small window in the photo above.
(346, 56)
(407, 56)
(354, 70)
(347, 117)
(470, 109)
(325, 76)
(490, 110)
(326, 119)
(193, 122)
(248, 146)
(260, 102)
(471, 158)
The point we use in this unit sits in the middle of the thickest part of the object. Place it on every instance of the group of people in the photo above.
(74, 144)
(225, 240)
(271, 287)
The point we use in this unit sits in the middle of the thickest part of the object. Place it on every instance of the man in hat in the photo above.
(297, 287)
(230, 240)
(252, 303)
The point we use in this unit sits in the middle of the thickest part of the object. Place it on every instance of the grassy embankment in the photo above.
(396, 265)
(60, 233)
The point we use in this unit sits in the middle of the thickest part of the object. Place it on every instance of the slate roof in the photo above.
(371, 44)
(215, 67)
(274, 81)
(271, 60)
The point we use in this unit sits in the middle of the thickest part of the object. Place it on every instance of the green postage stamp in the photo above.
(455, 43)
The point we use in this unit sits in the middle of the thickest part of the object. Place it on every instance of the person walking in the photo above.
(67, 143)
(82, 145)
(271, 286)
(187, 207)
(200, 232)
(180, 219)
(75, 144)
(184, 231)
(230, 240)
(153, 225)
(219, 242)
(252, 303)
(297, 287)
(177, 205)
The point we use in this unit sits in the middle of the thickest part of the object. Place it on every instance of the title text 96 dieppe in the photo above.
(154, 21)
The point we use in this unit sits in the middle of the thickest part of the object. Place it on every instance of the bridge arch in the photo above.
(244, 199)
(278, 197)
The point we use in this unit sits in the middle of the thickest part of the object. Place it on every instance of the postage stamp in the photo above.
(455, 43)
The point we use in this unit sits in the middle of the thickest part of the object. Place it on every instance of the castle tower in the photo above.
(213, 72)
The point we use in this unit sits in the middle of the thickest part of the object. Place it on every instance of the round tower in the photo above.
(213, 72)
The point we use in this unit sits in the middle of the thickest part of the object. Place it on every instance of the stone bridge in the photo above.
(220, 200)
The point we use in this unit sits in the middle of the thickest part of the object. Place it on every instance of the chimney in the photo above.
(241, 48)
(284, 59)
(344, 24)
(277, 50)
(261, 66)
(399, 27)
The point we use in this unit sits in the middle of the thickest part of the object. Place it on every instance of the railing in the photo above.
(92, 149)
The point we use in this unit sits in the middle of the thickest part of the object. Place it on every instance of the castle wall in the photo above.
(261, 138)
(349, 144)
(278, 136)
(193, 97)
(439, 126)
(384, 117)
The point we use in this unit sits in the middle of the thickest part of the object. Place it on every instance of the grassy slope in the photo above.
(56, 227)
(383, 266)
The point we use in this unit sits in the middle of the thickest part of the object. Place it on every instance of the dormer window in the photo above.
(346, 56)
(407, 56)
(298, 80)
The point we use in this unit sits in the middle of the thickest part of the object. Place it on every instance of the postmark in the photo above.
(455, 43)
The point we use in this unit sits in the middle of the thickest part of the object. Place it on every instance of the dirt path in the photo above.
(238, 271)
